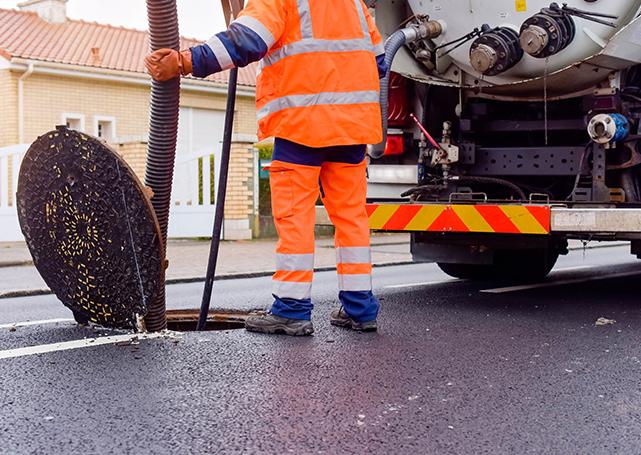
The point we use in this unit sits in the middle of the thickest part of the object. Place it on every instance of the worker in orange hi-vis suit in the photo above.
(317, 93)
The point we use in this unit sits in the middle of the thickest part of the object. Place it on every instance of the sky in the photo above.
(198, 18)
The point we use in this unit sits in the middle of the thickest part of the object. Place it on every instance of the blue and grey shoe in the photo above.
(272, 324)
(340, 318)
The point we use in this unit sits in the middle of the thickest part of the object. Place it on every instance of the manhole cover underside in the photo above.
(90, 228)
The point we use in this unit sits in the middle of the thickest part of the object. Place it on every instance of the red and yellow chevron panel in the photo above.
(483, 218)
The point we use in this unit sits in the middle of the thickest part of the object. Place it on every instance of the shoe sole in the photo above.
(352, 325)
(281, 330)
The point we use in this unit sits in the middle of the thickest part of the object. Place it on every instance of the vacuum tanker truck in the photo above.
(510, 127)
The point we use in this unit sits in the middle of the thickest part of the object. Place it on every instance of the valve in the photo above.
(553, 29)
(496, 51)
(547, 33)
(608, 128)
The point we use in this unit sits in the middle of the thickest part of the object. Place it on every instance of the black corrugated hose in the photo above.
(163, 133)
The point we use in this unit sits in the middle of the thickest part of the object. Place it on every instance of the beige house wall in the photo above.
(47, 98)
(8, 108)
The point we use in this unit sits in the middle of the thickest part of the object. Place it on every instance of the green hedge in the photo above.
(264, 194)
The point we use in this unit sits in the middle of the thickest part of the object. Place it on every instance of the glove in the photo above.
(165, 64)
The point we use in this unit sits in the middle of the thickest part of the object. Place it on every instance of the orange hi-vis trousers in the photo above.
(295, 189)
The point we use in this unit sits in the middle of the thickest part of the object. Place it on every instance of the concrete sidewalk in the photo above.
(188, 260)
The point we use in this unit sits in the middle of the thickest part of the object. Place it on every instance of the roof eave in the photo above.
(127, 77)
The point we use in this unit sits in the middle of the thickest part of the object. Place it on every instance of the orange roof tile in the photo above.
(25, 35)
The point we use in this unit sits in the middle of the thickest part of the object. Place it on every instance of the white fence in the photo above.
(193, 202)
(10, 159)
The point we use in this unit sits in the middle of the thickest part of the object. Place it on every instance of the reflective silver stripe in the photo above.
(317, 99)
(355, 282)
(291, 290)
(257, 27)
(294, 262)
(305, 15)
(379, 49)
(361, 17)
(220, 51)
(354, 255)
(317, 45)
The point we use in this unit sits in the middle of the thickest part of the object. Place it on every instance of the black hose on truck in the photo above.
(163, 133)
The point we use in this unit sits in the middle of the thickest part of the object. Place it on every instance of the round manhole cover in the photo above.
(90, 228)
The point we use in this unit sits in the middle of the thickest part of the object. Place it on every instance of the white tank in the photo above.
(594, 52)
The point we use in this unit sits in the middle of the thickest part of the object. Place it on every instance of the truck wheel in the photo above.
(513, 265)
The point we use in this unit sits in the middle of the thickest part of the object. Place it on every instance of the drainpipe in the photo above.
(24, 77)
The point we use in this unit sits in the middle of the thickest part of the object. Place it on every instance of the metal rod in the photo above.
(220, 201)
(425, 132)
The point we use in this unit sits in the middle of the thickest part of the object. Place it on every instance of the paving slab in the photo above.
(188, 260)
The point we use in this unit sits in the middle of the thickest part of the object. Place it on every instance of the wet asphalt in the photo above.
(452, 370)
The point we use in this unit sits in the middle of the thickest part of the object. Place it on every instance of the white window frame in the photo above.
(105, 118)
(71, 116)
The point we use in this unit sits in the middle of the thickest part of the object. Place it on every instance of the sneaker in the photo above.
(270, 323)
(340, 318)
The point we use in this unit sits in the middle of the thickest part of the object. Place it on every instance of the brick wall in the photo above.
(135, 154)
(48, 97)
(240, 185)
(9, 113)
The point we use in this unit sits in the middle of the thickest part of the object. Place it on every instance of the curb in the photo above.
(598, 246)
(15, 264)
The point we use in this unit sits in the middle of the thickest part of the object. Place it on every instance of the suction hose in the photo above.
(394, 43)
(163, 133)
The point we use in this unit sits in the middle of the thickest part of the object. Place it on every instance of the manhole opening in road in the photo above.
(187, 320)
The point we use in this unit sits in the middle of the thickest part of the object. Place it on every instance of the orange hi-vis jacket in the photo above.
(318, 82)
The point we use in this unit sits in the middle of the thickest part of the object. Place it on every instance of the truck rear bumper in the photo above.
(526, 219)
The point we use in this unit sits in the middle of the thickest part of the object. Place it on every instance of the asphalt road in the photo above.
(457, 367)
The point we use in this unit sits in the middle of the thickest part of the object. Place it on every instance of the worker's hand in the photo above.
(165, 64)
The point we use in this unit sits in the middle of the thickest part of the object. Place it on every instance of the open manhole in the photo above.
(187, 320)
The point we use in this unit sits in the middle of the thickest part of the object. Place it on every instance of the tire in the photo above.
(513, 265)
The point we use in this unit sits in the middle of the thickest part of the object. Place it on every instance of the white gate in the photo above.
(10, 159)
(193, 203)
(200, 132)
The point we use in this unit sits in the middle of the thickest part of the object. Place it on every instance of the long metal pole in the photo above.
(220, 201)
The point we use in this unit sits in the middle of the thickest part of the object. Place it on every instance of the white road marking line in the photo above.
(559, 283)
(76, 344)
(413, 285)
(30, 323)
